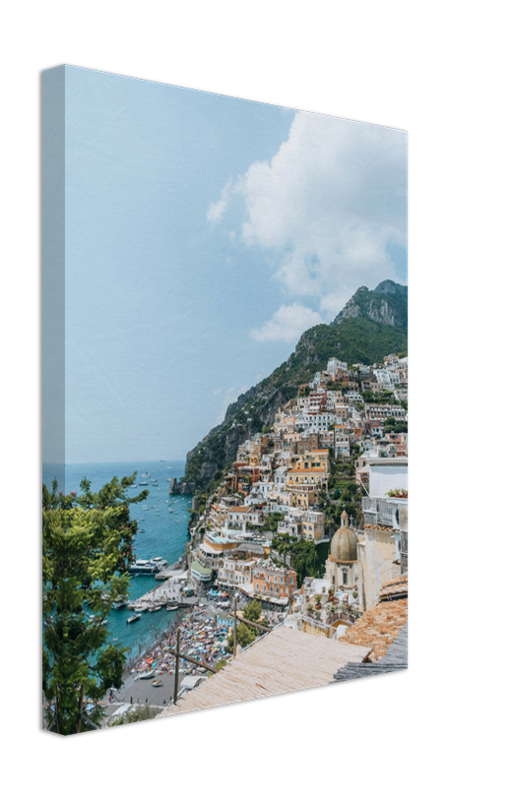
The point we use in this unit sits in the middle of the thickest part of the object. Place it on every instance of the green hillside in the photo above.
(354, 337)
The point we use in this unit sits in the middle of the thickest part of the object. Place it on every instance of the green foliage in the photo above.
(272, 521)
(253, 611)
(397, 427)
(245, 636)
(87, 548)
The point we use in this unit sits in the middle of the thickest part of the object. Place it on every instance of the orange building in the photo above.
(274, 581)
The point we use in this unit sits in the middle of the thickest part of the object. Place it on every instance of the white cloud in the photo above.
(216, 210)
(328, 204)
(287, 324)
(216, 392)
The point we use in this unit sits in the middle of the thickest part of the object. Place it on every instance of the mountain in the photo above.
(372, 324)
(387, 304)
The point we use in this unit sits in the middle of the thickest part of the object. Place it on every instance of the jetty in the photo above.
(168, 593)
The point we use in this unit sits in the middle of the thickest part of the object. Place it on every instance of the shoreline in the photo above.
(201, 638)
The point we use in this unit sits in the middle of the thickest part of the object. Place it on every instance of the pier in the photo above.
(168, 593)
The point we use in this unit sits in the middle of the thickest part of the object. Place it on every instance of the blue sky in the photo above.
(203, 235)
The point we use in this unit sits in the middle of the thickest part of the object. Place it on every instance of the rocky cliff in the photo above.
(387, 304)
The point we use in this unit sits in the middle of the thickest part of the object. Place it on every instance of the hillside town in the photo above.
(298, 554)
(310, 521)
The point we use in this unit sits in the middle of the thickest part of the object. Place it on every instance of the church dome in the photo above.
(344, 543)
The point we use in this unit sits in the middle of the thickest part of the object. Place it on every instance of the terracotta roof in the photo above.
(379, 627)
(397, 586)
(396, 658)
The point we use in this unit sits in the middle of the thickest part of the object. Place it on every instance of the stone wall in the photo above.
(376, 555)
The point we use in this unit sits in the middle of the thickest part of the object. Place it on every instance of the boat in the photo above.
(172, 608)
(143, 567)
(146, 675)
(119, 604)
(146, 475)
(134, 618)
(158, 682)
(144, 483)
(154, 608)
(160, 562)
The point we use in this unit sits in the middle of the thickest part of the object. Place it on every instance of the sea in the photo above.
(160, 533)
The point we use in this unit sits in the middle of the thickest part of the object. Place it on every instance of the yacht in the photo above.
(160, 562)
(143, 567)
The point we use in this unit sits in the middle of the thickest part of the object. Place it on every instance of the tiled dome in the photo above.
(344, 544)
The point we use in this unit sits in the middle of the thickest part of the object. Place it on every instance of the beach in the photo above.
(203, 636)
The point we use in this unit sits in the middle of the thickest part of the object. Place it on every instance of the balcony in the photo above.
(378, 511)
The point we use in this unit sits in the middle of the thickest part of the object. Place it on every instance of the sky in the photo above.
(203, 235)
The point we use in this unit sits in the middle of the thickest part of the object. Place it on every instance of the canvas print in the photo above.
(225, 401)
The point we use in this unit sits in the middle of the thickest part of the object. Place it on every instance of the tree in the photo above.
(87, 548)
(245, 636)
(253, 611)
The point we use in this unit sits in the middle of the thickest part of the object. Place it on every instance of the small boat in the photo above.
(146, 475)
(133, 618)
(119, 604)
(172, 608)
(144, 483)
(158, 682)
(154, 608)
(146, 675)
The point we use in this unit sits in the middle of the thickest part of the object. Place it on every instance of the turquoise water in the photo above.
(164, 535)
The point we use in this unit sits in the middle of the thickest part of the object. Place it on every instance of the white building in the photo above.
(334, 364)
(386, 377)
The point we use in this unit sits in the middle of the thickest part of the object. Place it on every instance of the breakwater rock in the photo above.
(181, 486)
